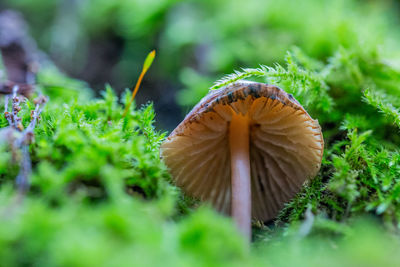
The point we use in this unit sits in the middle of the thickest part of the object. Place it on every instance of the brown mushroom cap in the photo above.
(286, 147)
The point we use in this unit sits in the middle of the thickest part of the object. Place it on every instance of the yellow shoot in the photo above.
(146, 65)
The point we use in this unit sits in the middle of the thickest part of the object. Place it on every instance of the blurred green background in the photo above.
(102, 41)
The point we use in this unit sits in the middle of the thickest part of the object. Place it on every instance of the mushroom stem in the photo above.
(240, 168)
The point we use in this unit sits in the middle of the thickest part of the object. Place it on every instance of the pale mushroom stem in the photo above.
(240, 168)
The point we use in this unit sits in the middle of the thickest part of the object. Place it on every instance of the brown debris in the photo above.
(17, 49)
(24, 89)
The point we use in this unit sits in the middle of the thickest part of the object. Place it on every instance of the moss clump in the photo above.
(100, 195)
(360, 167)
(86, 144)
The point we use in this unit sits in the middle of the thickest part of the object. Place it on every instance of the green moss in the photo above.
(99, 188)
(359, 171)
(101, 196)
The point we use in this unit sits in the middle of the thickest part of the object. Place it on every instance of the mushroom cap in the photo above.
(286, 147)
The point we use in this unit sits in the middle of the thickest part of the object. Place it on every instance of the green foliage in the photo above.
(307, 86)
(97, 174)
(87, 144)
(263, 31)
(101, 195)
(359, 171)
(379, 101)
(365, 244)
(113, 234)
(210, 37)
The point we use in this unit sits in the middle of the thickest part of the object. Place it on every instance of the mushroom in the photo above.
(247, 148)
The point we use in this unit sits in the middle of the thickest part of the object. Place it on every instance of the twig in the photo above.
(23, 143)
(24, 89)
(27, 136)
(16, 108)
(307, 224)
(7, 114)
(22, 180)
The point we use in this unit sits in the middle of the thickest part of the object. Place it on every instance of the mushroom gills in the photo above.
(281, 147)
